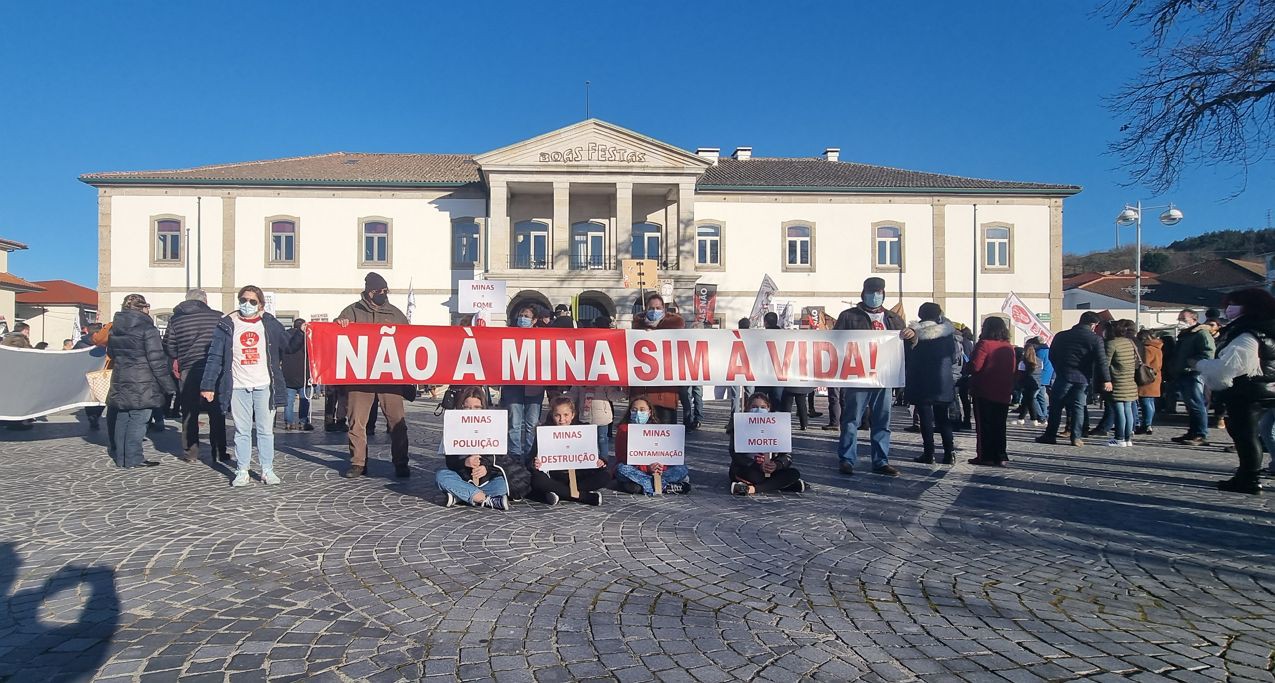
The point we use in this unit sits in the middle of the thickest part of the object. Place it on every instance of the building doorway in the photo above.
(593, 305)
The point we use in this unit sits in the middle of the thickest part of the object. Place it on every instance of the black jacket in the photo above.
(929, 363)
(1079, 355)
(295, 372)
(856, 318)
(141, 373)
(189, 332)
(218, 375)
(1257, 389)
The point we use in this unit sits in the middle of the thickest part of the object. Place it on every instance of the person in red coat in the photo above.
(992, 384)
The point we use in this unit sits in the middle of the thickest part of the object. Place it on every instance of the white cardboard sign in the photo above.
(763, 432)
(475, 432)
(651, 444)
(481, 296)
(574, 447)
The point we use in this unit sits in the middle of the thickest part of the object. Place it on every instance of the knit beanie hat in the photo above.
(374, 282)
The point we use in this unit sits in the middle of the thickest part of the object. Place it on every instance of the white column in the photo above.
(560, 236)
(498, 228)
(623, 221)
(686, 227)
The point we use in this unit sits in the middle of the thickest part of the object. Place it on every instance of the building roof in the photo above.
(1220, 274)
(13, 283)
(818, 175)
(10, 245)
(62, 292)
(336, 168)
(1159, 294)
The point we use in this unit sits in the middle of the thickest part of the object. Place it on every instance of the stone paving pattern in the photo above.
(1095, 564)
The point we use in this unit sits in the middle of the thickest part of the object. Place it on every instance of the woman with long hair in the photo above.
(1244, 374)
(1029, 376)
(638, 478)
(1122, 362)
(1152, 350)
(992, 386)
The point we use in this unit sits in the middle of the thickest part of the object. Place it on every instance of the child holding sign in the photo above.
(556, 485)
(481, 480)
(765, 472)
(638, 478)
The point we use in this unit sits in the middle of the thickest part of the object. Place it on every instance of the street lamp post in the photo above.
(1132, 215)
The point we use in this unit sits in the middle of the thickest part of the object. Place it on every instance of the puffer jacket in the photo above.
(218, 373)
(1122, 363)
(141, 374)
(188, 335)
(664, 397)
(929, 360)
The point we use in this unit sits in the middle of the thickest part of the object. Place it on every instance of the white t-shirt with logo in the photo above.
(248, 354)
(878, 319)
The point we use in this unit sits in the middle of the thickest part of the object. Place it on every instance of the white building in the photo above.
(553, 216)
(60, 310)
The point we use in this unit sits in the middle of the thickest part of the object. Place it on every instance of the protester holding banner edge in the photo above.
(522, 402)
(663, 399)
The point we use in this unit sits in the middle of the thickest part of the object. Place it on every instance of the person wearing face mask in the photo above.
(1243, 375)
(375, 307)
(752, 473)
(244, 372)
(522, 401)
(869, 314)
(1078, 355)
(663, 399)
(1195, 344)
(638, 478)
(140, 378)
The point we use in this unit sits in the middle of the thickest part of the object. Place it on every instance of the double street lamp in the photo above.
(1132, 215)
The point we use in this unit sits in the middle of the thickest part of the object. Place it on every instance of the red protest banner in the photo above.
(417, 354)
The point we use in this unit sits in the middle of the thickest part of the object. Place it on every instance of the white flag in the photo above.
(761, 306)
(78, 323)
(411, 302)
(1022, 317)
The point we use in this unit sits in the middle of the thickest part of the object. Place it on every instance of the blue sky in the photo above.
(1006, 90)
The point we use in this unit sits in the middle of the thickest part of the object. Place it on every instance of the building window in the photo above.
(465, 243)
(887, 246)
(708, 246)
(799, 245)
(646, 241)
(588, 246)
(375, 242)
(997, 251)
(282, 235)
(168, 240)
(531, 245)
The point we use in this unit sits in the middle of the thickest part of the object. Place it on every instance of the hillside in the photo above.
(1248, 245)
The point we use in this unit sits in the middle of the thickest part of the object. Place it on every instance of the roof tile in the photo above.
(60, 292)
(347, 168)
(764, 172)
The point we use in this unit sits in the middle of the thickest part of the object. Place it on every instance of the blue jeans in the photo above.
(291, 416)
(692, 398)
(452, 483)
(853, 404)
(1147, 404)
(251, 411)
(1122, 416)
(604, 441)
(130, 430)
(1192, 389)
(1069, 396)
(738, 395)
(1042, 401)
(523, 420)
(1266, 432)
(673, 474)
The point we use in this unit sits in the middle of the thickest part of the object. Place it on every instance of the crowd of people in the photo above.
(246, 364)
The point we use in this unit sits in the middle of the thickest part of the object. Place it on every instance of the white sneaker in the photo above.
(270, 477)
(1020, 422)
(1041, 423)
(1128, 443)
(241, 479)
(1115, 443)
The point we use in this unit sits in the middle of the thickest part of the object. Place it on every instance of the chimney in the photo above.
(742, 153)
(709, 153)
(832, 154)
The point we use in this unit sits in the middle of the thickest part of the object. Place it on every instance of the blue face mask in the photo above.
(758, 409)
(874, 299)
(641, 417)
(247, 310)
(523, 321)
(655, 315)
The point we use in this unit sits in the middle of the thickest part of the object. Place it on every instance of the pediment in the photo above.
(593, 145)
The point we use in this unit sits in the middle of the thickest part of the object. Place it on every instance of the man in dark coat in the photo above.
(931, 382)
(374, 307)
(296, 377)
(141, 378)
(869, 314)
(189, 333)
(1078, 355)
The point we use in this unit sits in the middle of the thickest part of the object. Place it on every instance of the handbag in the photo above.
(99, 384)
(1143, 374)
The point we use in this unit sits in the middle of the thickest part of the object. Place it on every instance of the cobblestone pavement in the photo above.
(1071, 564)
